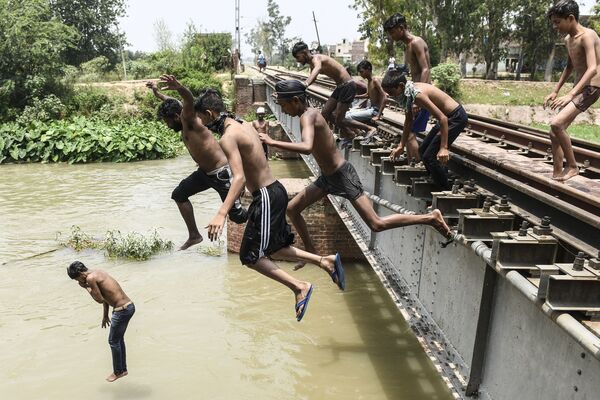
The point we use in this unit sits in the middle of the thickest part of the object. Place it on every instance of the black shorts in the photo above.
(199, 181)
(345, 92)
(344, 183)
(267, 230)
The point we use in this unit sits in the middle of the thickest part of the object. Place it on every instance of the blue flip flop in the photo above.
(339, 273)
(303, 302)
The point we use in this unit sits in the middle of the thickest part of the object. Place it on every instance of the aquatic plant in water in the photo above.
(132, 245)
(214, 250)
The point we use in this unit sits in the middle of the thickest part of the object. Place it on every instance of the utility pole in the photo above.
(237, 26)
(320, 50)
(122, 56)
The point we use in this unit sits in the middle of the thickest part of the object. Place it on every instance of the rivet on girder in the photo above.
(524, 227)
(579, 260)
(487, 204)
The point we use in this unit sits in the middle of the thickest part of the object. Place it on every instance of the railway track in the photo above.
(509, 159)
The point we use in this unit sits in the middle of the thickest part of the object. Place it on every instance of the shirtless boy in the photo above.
(344, 93)
(375, 94)
(338, 177)
(416, 55)
(451, 117)
(213, 170)
(106, 290)
(262, 126)
(583, 47)
(267, 231)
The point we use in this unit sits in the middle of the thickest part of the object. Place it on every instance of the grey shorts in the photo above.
(344, 183)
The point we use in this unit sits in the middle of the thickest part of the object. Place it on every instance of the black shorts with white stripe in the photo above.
(267, 230)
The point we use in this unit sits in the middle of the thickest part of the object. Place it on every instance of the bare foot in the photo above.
(112, 377)
(299, 265)
(567, 174)
(439, 224)
(371, 132)
(328, 264)
(300, 295)
(191, 242)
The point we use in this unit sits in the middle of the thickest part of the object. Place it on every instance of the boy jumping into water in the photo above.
(106, 290)
(338, 177)
(267, 231)
(583, 47)
(417, 56)
(451, 117)
(213, 170)
(344, 93)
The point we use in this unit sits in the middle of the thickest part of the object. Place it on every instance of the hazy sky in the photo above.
(334, 17)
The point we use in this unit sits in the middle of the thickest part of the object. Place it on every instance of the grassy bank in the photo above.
(580, 131)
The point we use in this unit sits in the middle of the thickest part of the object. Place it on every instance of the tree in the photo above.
(276, 25)
(32, 48)
(97, 22)
(163, 36)
(259, 38)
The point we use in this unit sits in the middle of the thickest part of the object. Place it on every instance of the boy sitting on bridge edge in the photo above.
(450, 115)
(267, 232)
(583, 47)
(338, 177)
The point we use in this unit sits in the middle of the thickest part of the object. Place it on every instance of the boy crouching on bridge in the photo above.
(338, 177)
(451, 117)
(267, 231)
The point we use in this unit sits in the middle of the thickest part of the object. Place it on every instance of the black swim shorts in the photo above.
(267, 230)
(344, 183)
(220, 180)
(345, 92)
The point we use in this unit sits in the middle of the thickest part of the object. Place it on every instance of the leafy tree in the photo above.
(276, 25)
(206, 51)
(96, 21)
(32, 47)
(163, 36)
(259, 38)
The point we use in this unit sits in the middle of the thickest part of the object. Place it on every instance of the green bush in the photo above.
(82, 140)
(447, 78)
(197, 81)
(46, 109)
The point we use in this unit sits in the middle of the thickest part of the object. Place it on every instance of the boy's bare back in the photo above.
(376, 93)
(439, 98)
(331, 68)
(324, 150)
(245, 138)
(576, 46)
(109, 287)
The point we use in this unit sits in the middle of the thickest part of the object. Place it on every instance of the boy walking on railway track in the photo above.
(267, 232)
(341, 99)
(105, 290)
(338, 177)
(416, 56)
(213, 170)
(451, 116)
(583, 48)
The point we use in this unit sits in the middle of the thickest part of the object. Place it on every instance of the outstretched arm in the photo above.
(152, 86)
(231, 150)
(406, 128)
(307, 123)
(424, 102)
(171, 83)
(382, 97)
(317, 65)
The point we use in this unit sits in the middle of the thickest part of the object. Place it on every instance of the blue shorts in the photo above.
(362, 114)
(420, 122)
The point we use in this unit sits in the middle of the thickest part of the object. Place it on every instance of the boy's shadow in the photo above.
(124, 390)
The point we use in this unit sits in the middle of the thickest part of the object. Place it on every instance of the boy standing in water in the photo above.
(417, 56)
(213, 170)
(338, 177)
(451, 116)
(583, 47)
(267, 232)
(105, 290)
(344, 93)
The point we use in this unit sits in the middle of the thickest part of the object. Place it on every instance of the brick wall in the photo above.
(324, 225)
(276, 132)
(249, 94)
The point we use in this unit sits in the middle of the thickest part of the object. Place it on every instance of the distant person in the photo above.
(392, 62)
(106, 290)
(262, 61)
(376, 96)
(583, 48)
(213, 170)
(450, 115)
(267, 232)
(417, 57)
(262, 126)
(338, 177)
(342, 97)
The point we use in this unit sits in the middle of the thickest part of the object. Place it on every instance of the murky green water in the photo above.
(205, 327)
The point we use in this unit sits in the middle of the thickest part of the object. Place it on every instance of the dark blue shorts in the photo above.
(420, 121)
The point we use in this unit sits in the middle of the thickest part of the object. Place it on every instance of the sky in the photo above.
(336, 21)
(219, 15)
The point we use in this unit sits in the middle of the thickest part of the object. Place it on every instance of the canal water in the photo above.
(205, 327)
